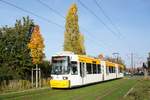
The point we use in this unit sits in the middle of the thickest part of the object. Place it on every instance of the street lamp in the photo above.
(116, 55)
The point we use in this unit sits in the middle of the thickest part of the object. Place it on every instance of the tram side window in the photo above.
(88, 68)
(107, 70)
(110, 69)
(94, 69)
(114, 70)
(74, 69)
(120, 70)
(98, 68)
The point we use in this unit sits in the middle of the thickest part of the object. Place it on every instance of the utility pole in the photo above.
(36, 76)
(148, 60)
(132, 64)
(32, 77)
(39, 77)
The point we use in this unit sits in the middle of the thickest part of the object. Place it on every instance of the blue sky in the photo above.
(131, 17)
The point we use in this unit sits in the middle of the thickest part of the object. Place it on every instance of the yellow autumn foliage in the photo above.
(36, 46)
(73, 40)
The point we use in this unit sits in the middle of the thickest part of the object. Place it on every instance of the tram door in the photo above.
(116, 68)
(82, 71)
(102, 72)
(103, 66)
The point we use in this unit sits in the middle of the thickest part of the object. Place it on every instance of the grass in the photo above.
(141, 91)
(18, 85)
(110, 90)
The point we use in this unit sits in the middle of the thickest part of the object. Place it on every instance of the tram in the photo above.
(72, 70)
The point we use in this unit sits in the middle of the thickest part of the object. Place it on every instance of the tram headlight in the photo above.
(65, 78)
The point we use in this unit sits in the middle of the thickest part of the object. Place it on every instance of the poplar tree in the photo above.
(81, 44)
(73, 40)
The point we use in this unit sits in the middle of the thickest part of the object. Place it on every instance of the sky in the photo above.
(129, 33)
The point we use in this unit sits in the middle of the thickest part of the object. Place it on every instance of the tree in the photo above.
(148, 63)
(15, 60)
(145, 70)
(73, 40)
(114, 60)
(46, 69)
(81, 44)
(36, 46)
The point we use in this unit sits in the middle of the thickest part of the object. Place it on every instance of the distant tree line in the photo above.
(148, 63)
(146, 66)
(115, 60)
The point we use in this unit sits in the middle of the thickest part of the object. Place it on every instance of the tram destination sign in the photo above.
(58, 58)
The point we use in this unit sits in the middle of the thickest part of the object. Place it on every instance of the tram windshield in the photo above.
(60, 65)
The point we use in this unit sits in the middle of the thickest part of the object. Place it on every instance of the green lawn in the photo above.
(111, 90)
